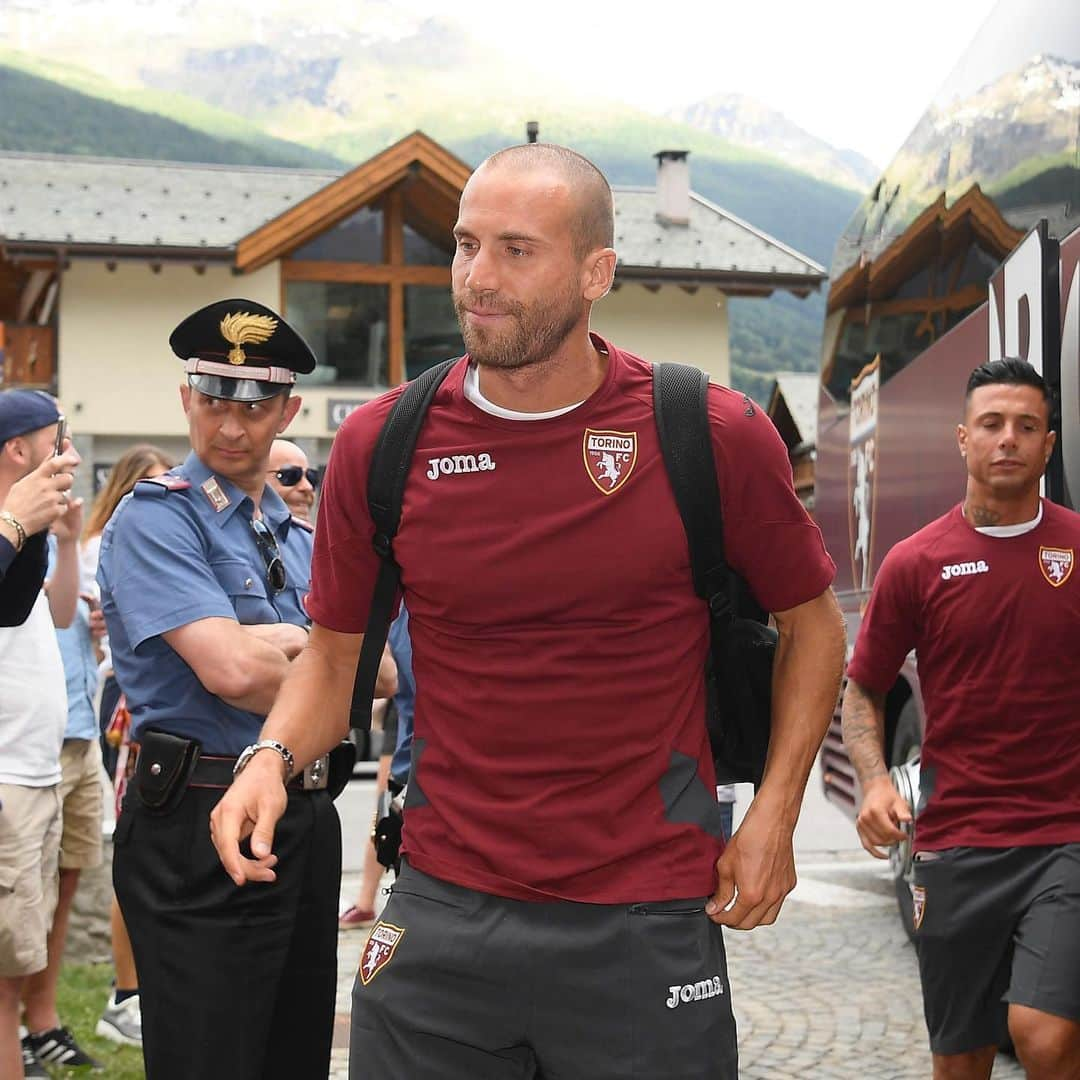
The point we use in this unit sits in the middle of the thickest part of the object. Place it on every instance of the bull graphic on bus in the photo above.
(862, 471)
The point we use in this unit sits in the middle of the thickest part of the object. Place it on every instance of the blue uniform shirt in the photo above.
(80, 666)
(172, 557)
(405, 698)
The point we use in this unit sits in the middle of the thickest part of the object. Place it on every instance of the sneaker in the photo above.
(32, 1068)
(122, 1023)
(353, 918)
(58, 1047)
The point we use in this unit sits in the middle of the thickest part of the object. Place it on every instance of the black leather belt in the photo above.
(217, 772)
(168, 764)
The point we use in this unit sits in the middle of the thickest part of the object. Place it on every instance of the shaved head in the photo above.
(594, 219)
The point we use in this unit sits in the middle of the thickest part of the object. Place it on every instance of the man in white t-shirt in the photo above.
(33, 714)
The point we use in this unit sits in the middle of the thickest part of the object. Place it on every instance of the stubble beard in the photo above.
(539, 331)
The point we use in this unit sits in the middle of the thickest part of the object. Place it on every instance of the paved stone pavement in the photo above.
(831, 992)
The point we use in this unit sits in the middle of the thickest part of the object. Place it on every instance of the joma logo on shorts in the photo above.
(699, 991)
(962, 569)
(459, 463)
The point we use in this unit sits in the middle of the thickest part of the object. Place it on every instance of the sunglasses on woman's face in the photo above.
(290, 475)
(271, 555)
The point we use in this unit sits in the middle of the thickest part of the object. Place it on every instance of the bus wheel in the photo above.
(905, 775)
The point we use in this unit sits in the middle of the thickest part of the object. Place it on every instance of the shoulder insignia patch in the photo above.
(305, 525)
(379, 949)
(161, 485)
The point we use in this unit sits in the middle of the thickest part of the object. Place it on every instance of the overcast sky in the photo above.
(855, 72)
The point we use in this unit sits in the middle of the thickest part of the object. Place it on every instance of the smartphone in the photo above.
(61, 435)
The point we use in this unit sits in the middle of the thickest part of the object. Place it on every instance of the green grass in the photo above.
(83, 991)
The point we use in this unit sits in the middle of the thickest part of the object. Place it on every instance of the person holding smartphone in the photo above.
(30, 500)
(34, 483)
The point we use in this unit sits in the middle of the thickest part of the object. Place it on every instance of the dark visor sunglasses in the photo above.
(271, 555)
(290, 475)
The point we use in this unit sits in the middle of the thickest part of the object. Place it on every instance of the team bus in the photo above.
(967, 248)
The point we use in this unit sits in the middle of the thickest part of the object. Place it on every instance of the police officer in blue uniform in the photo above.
(203, 575)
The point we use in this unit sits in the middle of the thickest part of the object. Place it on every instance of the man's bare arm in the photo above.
(62, 588)
(759, 861)
(236, 665)
(882, 810)
(386, 684)
(310, 716)
(863, 725)
(287, 637)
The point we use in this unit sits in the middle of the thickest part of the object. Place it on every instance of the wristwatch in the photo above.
(265, 744)
(20, 533)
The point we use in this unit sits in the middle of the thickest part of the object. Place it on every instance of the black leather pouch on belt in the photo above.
(342, 760)
(164, 767)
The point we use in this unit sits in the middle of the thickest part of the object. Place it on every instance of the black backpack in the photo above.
(739, 671)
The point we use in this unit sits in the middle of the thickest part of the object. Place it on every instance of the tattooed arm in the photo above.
(882, 811)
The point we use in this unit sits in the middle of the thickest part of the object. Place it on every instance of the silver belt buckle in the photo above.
(316, 775)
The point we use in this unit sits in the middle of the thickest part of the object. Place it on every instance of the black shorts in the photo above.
(462, 985)
(996, 926)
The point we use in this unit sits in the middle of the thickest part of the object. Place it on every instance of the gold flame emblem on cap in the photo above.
(243, 328)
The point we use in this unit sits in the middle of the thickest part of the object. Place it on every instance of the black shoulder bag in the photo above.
(738, 676)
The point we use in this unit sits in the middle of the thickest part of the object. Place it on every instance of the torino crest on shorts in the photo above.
(610, 457)
(918, 905)
(379, 949)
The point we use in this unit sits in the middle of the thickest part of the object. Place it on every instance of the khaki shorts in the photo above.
(29, 848)
(81, 798)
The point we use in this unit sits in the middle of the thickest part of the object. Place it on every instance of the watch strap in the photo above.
(266, 744)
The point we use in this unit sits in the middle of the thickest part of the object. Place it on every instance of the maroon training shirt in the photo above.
(995, 624)
(557, 641)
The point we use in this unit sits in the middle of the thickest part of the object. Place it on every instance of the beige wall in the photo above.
(117, 374)
(118, 378)
(669, 324)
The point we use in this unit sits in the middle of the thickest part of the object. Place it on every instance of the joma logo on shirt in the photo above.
(459, 463)
(963, 569)
(699, 991)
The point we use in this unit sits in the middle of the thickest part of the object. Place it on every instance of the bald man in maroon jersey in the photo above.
(988, 599)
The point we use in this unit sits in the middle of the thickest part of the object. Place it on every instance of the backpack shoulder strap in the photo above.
(385, 491)
(680, 404)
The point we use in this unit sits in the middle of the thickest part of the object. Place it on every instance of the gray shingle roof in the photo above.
(800, 393)
(59, 199)
(714, 240)
(69, 200)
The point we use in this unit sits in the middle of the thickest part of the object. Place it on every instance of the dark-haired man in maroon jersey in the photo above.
(988, 598)
(565, 885)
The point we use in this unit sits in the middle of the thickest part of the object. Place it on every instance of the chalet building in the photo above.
(101, 258)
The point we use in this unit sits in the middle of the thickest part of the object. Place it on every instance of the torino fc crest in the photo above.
(1056, 564)
(918, 905)
(609, 457)
(862, 471)
(379, 949)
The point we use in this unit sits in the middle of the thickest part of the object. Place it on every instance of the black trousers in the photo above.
(234, 982)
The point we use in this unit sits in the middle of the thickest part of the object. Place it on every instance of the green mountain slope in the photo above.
(52, 106)
(40, 115)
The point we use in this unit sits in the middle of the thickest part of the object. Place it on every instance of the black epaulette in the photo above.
(160, 486)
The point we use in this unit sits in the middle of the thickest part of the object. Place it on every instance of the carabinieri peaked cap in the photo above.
(240, 350)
